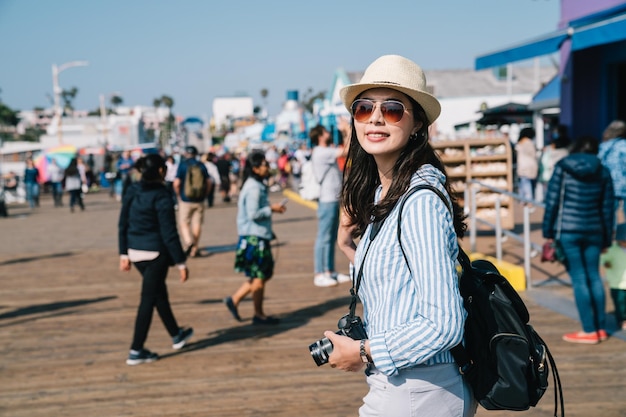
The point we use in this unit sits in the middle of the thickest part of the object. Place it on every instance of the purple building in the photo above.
(591, 40)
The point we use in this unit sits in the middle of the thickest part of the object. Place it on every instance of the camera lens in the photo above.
(321, 350)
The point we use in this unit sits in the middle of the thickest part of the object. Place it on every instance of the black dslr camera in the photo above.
(350, 326)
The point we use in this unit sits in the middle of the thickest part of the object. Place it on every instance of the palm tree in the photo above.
(68, 96)
(264, 94)
(116, 100)
(168, 102)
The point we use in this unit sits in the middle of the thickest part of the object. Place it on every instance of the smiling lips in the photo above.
(376, 136)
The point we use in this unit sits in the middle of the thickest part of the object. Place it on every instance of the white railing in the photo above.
(531, 249)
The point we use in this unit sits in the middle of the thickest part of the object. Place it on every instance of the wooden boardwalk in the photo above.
(66, 319)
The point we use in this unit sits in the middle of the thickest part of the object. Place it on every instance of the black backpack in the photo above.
(504, 360)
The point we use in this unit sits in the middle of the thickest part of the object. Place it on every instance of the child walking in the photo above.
(614, 262)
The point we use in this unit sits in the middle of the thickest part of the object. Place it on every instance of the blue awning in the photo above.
(543, 45)
(600, 33)
(548, 96)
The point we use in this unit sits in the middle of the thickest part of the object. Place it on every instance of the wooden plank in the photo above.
(66, 318)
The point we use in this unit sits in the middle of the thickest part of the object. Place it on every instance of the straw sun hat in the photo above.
(397, 73)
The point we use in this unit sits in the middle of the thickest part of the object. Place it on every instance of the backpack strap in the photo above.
(461, 357)
(323, 175)
(356, 283)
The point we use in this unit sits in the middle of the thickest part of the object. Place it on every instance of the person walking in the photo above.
(55, 173)
(614, 263)
(612, 153)
(123, 167)
(527, 164)
(550, 155)
(224, 166)
(326, 171)
(73, 183)
(171, 168)
(413, 310)
(148, 239)
(191, 208)
(579, 205)
(254, 226)
(31, 183)
(214, 173)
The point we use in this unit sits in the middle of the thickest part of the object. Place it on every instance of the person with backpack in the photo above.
(579, 214)
(325, 170)
(191, 185)
(413, 310)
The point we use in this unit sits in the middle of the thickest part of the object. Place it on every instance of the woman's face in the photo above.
(382, 138)
(262, 170)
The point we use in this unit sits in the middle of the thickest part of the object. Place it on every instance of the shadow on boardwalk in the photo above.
(66, 318)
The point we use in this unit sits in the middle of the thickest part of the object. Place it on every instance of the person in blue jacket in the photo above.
(148, 239)
(580, 202)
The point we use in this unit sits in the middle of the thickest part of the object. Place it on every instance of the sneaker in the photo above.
(324, 280)
(266, 320)
(137, 357)
(181, 338)
(582, 337)
(340, 278)
(602, 335)
(232, 308)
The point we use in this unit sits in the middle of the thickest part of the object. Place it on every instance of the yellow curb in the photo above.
(513, 273)
(292, 195)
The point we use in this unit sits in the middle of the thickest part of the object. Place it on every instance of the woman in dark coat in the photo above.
(586, 222)
(148, 238)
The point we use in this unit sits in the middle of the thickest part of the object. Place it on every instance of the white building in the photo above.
(462, 94)
(228, 109)
(124, 130)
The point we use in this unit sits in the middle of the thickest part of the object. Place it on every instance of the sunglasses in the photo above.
(392, 110)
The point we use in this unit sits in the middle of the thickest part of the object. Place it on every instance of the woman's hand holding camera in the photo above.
(345, 354)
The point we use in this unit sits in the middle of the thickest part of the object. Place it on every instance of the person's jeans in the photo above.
(582, 251)
(327, 225)
(153, 294)
(32, 193)
(57, 194)
(526, 188)
(76, 198)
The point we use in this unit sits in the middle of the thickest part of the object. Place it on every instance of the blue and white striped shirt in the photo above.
(412, 319)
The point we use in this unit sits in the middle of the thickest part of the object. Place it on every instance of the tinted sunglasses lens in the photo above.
(392, 111)
(362, 110)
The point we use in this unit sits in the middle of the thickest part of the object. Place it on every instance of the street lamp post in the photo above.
(104, 116)
(56, 70)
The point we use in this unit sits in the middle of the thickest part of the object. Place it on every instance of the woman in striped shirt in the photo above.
(412, 308)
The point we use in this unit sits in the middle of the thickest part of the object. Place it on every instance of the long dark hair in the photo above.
(585, 144)
(72, 168)
(149, 165)
(254, 160)
(361, 178)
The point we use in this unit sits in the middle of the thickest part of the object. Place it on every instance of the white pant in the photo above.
(423, 391)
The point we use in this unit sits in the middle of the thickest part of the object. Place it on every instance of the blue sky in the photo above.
(196, 50)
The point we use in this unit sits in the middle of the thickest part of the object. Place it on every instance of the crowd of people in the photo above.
(412, 308)
(583, 184)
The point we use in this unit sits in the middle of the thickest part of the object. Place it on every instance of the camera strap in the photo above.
(357, 282)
